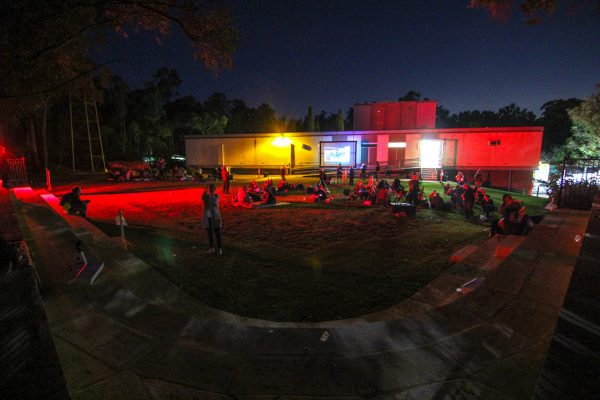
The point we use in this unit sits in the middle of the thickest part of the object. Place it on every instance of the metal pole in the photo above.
(87, 124)
(72, 133)
(98, 124)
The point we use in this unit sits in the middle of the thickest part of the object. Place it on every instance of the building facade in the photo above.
(506, 156)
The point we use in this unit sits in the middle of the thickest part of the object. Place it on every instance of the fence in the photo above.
(579, 183)
(16, 176)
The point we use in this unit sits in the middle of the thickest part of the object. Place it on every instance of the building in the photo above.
(401, 136)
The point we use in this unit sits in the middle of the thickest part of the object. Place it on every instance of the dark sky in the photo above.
(333, 53)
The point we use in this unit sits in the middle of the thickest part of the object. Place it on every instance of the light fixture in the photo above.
(281, 141)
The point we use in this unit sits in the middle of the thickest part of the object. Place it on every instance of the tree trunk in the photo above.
(44, 139)
(32, 143)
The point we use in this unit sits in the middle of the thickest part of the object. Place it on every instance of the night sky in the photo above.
(333, 53)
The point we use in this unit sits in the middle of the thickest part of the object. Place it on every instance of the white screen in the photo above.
(334, 153)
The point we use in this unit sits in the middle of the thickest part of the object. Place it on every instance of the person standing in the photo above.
(377, 170)
(468, 199)
(338, 173)
(363, 172)
(283, 171)
(351, 176)
(226, 179)
(211, 220)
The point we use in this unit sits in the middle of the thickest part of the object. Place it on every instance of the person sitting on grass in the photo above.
(382, 195)
(436, 202)
(413, 191)
(514, 220)
(72, 203)
(517, 222)
(447, 189)
(270, 195)
(397, 186)
(487, 207)
(320, 194)
(254, 191)
(357, 190)
(242, 198)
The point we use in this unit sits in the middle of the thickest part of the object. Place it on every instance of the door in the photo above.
(292, 155)
(449, 152)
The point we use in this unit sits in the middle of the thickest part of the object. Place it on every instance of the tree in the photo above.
(585, 140)
(56, 51)
(146, 114)
(349, 121)
(411, 95)
(513, 115)
(339, 121)
(533, 10)
(45, 50)
(442, 117)
(310, 120)
(556, 121)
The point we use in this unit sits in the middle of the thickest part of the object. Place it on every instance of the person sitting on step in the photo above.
(72, 203)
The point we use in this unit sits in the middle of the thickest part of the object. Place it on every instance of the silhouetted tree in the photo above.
(339, 121)
(556, 121)
(411, 95)
(533, 10)
(310, 120)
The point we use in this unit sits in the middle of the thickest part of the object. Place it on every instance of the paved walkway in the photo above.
(29, 365)
(134, 335)
(572, 367)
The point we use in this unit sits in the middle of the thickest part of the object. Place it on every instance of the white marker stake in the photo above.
(121, 221)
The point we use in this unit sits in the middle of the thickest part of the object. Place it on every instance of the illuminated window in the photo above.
(397, 145)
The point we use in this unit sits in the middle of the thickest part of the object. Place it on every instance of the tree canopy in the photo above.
(534, 10)
(585, 140)
(45, 44)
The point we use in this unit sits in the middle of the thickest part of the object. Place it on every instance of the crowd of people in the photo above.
(147, 171)
(462, 196)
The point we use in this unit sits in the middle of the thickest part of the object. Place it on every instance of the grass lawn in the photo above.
(298, 262)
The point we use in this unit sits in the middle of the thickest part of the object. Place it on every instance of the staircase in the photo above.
(429, 174)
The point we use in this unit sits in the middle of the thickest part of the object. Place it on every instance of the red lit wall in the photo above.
(395, 115)
(497, 147)
(361, 118)
(426, 114)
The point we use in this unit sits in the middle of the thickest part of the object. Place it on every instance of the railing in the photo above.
(17, 173)
(579, 183)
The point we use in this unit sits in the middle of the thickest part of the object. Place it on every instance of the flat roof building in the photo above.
(506, 156)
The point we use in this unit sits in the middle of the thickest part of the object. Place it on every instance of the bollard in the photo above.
(48, 180)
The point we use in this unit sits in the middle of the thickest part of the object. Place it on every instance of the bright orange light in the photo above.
(281, 141)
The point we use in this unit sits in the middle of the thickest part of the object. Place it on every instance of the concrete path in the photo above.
(134, 335)
(29, 365)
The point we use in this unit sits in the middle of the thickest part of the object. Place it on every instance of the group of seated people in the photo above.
(320, 193)
(253, 193)
(383, 193)
(464, 197)
(513, 218)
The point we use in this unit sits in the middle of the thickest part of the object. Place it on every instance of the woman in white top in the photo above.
(212, 218)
